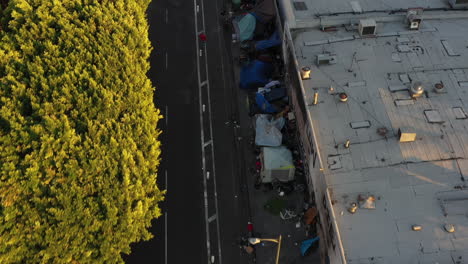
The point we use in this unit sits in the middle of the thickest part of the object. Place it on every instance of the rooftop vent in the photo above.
(417, 89)
(414, 18)
(305, 73)
(458, 3)
(449, 228)
(439, 88)
(367, 27)
(406, 135)
(326, 59)
(300, 6)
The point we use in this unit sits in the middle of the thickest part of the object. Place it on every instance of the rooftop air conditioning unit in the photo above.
(414, 18)
(458, 3)
(367, 27)
(325, 59)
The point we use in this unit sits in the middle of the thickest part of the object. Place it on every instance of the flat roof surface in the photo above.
(414, 183)
(322, 7)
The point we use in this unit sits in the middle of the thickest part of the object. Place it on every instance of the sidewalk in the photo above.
(266, 224)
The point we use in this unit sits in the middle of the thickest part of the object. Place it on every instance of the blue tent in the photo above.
(273, 41)
(255, 74)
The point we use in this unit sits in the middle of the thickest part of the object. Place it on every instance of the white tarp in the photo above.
(268, 131)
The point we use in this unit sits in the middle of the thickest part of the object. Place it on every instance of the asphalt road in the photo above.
(206, 209)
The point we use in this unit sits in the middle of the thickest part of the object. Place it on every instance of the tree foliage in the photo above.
(79, 147)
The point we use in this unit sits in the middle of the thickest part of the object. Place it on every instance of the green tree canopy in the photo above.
(79, 146)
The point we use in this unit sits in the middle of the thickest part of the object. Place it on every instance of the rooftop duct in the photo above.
(414, 18)
(367, 27)
(458, 3)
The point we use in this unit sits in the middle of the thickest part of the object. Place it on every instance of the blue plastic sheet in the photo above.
(255, 74)
(273, 41)
(306, 244)
(264, 105)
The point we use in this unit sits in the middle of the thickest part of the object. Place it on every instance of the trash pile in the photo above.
(278, 168)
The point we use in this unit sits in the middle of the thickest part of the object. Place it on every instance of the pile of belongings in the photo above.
(366, 201)
(272, 91)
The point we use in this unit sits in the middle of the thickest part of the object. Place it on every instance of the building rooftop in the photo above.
(414, 183)
(305, 9)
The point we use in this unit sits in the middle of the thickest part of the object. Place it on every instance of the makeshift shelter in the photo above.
(277, 164)
(268, 131)
(255, 74)
(273, 41)
(244, 27)
(264, 10)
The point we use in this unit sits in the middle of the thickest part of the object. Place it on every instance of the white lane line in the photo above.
(212, 218)
(167, 121)
(165, 237)
(165, 221)
(167, 15)
(207, 143)
(167, 61)
(211, 133)
(207, 229)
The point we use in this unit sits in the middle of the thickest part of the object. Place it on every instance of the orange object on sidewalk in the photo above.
(309, 215)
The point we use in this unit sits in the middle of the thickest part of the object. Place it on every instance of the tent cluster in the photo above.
(278, 163)
(261, 77)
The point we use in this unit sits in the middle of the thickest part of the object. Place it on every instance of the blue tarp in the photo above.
(245, 27)
(306, 244)
(264, 105)
(273, 41)
(255, 74)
